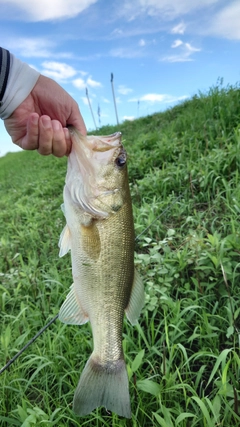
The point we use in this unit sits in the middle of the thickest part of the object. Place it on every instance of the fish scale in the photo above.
(100, 234)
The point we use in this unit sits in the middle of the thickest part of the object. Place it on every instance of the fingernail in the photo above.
(46, 121)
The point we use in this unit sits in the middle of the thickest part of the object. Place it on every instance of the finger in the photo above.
(75, 119)
(68, 141)
(59, 147)
(30, 140)
(45, 135)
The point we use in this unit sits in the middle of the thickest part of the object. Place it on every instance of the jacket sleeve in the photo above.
(17, 80)
(4, 70)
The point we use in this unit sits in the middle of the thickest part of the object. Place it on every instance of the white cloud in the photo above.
(186, 50)
(58, 70)
(49, 9)
(79, 83)
(117, 32)
(83, 73)
(123, 90)
(176, 43)
(35, 47)
(31, 47)
(191, 48)
(177, 58)
(142, 43)
(105, 100)
(153, 97)
(92, 83)
(130, 118)
(179, 29)
(157, 97)
(226, 23)
(166, 9)
(125, 52)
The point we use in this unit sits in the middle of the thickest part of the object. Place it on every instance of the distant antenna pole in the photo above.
(89, 103)
(99, 115)
(115, 105)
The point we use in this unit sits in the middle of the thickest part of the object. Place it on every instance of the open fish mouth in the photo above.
(98, 143)
(87, 180)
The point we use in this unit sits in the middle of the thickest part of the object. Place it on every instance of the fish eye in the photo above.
(121, 160)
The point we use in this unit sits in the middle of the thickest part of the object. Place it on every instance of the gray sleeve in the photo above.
(19, 79)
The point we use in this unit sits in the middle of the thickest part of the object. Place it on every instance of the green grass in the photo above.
(183, 358)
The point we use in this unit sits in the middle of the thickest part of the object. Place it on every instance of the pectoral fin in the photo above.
(136, 301)
(64, 241)
(71, 312)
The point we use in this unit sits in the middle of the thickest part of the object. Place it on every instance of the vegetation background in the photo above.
(183, 358)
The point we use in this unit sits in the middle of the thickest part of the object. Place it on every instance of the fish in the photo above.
(99, 232)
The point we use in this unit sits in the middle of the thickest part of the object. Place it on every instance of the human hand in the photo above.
(40, 121)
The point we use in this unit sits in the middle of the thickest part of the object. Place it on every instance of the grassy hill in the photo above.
(183, 357)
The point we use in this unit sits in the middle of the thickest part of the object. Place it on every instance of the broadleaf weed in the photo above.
(183, 356)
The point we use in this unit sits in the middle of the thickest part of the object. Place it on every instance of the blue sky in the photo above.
(159, 51)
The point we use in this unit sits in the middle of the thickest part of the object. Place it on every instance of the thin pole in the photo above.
(89, 103)
(55, 318)
(28, 344)
(99, 115)
(114, 99)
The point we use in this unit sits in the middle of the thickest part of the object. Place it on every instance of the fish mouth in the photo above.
(105, 143)
(89, 156)
(94, 150)
(98, 143)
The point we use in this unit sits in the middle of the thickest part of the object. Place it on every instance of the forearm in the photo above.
(17, 80)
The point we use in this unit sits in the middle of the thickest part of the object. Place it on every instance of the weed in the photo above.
(183, 356)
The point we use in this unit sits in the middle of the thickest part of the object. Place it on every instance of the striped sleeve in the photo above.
(4, 70)
(17, 79)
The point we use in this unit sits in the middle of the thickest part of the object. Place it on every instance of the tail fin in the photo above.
(103, 385)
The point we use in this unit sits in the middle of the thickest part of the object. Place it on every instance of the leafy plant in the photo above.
(183, 356)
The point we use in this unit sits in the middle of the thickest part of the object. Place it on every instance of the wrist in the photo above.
(21, 80)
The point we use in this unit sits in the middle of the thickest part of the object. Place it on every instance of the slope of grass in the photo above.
(183, 358)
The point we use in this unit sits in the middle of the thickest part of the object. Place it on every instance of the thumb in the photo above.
(75, 119)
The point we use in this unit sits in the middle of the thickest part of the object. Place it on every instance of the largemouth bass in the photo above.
(100, 234)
